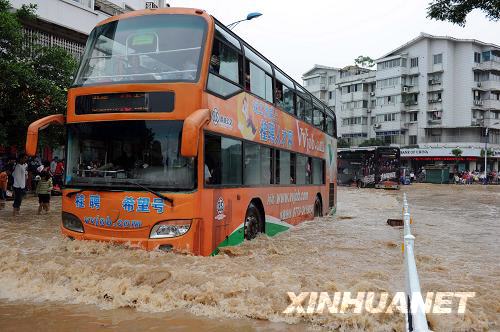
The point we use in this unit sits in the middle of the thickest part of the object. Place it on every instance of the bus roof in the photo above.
(200, 12)
(157, 11)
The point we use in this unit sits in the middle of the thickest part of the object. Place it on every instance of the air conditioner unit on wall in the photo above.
(372, 93)
(377, 125)
(405, 89)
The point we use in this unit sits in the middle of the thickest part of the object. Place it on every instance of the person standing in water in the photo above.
(43, 190)
(19, 186)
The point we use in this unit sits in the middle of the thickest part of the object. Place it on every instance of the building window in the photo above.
(330, 95)
(414, 62)
(438, 58)
(413, 139)
(413, 116)
(477, 57)
(389, 64)
(331, 80)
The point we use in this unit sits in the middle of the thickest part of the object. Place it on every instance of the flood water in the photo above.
(50, 283)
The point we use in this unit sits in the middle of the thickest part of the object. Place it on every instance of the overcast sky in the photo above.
(295, 35)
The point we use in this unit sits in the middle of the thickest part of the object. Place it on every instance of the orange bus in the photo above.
(181, 136)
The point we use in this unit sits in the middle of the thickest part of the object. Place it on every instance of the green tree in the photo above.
(34, 79)
(489, 153)
(457, 152)
(455, 11)
(364, 61)
(342, 143)
(372, 142)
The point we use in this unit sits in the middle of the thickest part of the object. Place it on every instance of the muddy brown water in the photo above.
(50, 283)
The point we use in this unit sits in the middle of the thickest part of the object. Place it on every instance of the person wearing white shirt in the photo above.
(19, 185)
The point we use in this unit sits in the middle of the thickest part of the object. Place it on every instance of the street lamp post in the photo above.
(486, 151)
(248, 18)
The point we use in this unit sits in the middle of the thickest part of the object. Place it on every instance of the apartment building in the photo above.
(355, 90)
(67, 23)
(432, 94)
(320, 81)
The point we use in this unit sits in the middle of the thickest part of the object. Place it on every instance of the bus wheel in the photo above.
(253, 224)
(318, 209)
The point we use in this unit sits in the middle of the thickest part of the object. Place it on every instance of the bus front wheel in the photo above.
(318, 209)
(253, 222)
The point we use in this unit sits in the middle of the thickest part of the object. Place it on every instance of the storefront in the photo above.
(469, 160)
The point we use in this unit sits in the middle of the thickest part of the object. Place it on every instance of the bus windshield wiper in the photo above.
(165, 198)
(92, 189)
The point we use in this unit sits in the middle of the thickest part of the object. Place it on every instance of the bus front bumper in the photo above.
(188, 242)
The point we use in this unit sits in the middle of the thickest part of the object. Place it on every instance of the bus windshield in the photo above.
(122, 154)
(144, 49)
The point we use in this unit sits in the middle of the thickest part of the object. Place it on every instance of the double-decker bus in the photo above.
(375, 166)
(181, 136)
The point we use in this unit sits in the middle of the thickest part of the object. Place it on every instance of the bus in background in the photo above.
(376, 166)
(181, 136)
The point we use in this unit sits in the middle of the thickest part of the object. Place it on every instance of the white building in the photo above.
(320, 81)
(431, 93)
(67, 23)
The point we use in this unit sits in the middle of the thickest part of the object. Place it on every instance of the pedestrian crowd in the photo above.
(22, 175)
(471, 177)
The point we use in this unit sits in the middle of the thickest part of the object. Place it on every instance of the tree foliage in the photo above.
(34, 79)
(372, 142)
(489, 153)
(364, 61)
(342, 143)
(457, 152)
(455, 11)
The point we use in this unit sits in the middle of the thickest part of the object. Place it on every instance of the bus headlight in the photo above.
(72, 222)
(170, 228)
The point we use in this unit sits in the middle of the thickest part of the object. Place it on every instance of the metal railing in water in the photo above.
(415, 313)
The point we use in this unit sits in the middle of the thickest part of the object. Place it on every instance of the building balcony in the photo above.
(409, 89)
(453, 139)
(435, 101)
(489, 85)
(492, 104)
(434, 122)
(354, 96)
(83, 10)
(487, 66)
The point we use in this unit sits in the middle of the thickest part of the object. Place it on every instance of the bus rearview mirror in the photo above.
(32, 136)
(191, 132)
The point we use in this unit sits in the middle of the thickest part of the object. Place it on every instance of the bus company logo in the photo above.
(219, 207)
(221, 120)
(307, 141)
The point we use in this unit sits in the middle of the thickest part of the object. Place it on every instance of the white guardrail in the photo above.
(415, 314)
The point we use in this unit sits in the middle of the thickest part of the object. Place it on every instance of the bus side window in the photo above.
(318, 171)
(308, 115)
(301, 107)
(329, 125)
(266, 165)
(222, 160)
(225, 69)
(260, 83)
(283, 167)
(251, 164)
(293, 167)
(278, 95)
(318, 120)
